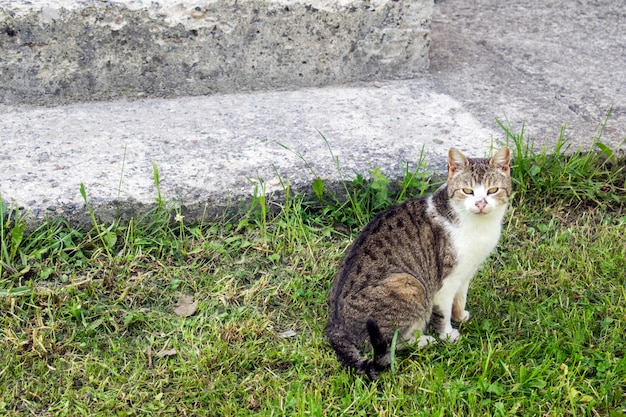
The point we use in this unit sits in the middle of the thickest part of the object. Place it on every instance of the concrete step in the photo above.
(486, 61)
(211, 151)
(63, 51)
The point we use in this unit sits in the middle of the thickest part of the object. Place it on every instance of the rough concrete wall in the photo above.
(109, 50)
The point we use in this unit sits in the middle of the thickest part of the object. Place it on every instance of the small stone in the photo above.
(377, 84)
(197, 14)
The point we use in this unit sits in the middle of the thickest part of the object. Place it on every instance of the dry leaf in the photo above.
(287, 333)
(168, 352)
(185, 306)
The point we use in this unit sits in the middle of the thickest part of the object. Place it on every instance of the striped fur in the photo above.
(411, 265)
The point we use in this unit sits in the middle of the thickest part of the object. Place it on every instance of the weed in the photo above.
(576, 177)
(12, 230)
(363, 197)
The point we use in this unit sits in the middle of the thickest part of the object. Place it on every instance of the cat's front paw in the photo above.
(463, 317)
(425, 340)
(451, 336)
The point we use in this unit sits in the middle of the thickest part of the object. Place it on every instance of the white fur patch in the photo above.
(474, 237)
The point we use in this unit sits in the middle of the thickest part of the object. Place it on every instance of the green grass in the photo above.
(88, 323)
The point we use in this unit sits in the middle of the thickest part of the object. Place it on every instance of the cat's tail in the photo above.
(351, 357)
(379, 345)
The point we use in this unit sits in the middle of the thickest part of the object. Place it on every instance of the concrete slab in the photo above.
(63, 51)
(545, 63)
(211, 150)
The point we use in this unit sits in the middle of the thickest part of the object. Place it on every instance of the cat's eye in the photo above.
(492, 190)
(468, 191)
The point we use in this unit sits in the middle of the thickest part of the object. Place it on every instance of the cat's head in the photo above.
(479, 186)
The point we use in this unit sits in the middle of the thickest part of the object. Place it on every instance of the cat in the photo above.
(411, 266)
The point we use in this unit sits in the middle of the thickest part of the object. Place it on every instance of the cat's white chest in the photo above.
(474, 240)
(473, 237)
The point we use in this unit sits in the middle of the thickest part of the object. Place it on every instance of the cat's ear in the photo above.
(456, 161)
(502, 160)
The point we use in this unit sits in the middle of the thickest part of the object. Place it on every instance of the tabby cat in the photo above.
(412, 264)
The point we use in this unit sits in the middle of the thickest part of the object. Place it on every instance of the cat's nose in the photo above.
(481, 204)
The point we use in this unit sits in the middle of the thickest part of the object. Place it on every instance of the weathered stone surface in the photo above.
(68, 51)
(212, 151)
(486, 62)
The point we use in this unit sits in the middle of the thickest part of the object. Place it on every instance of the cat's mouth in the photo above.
(482, 211)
